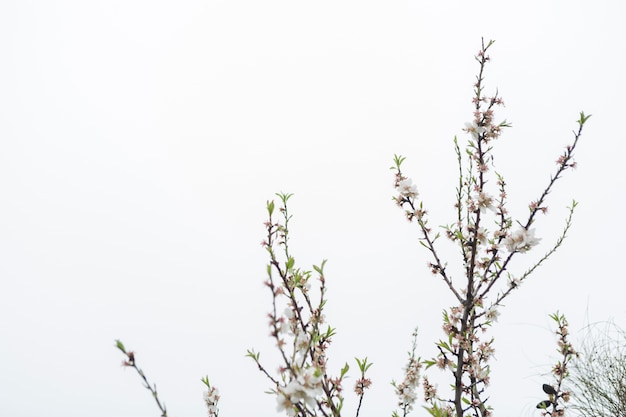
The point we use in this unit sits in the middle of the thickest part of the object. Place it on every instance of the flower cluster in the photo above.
(485, 201)
(301, 392)
(564, 347)
(406, 391)
(430, 392)
(211, 398)
(361, 385)
(407, 189)
(521, 240)
(305, 380)
(469, 351)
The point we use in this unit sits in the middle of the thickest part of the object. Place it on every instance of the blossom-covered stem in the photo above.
(565, 349)
(489, 276)
(285, 275)
(484, 263)
(551, 406)
(303, 387)
(211, 398)
(284, 235)
(481, 58)
(469, 302)
(559, 242)
(406, 389)
(483, 130)
(272, 229)
(362, 383)
(501, 296)
(476, 401)
(564, 162)
(130, 362)
(409, 197)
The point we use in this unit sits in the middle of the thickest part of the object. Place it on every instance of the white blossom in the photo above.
(285, 404)
(211, 398)
(474, 129)
(514, 282)
(479, 372)
(481, 235)
(521, 241)
(492, 314)
(407, 189)
(302, 390)
(485, 202)
(301, 344)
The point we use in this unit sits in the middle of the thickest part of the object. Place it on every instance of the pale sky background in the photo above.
(140, 141)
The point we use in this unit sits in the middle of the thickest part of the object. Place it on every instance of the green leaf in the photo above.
(340, 405)
(320, 269)
(544, 404)
(120, 345)
(363, 365)
(583, 118)
(398, 160)
(344, 370)
(254, 355)
(435, 411)
(330, 332)
(429, 363)
(556, 316)
(284, 197)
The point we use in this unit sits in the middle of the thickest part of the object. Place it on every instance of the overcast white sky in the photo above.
(141, 139)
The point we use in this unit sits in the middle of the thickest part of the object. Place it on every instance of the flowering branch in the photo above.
(303, 386)
(130, 362)
(486, 254)
(551, 406)
(408, 195)
(514, 283)
(362, 383)
(211, 397)
(407, 389)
